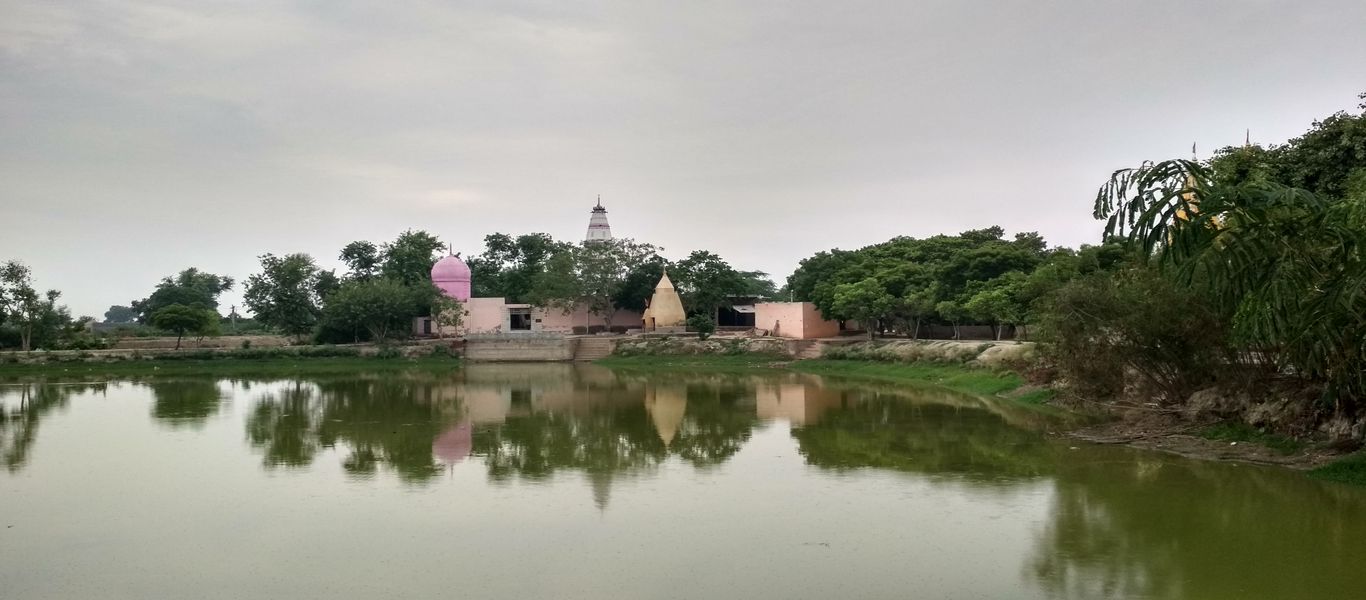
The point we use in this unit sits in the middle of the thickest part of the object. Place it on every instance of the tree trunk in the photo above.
(1000, 329)
(916, 335)
(956, 334)
(177, 339)
(26, 338)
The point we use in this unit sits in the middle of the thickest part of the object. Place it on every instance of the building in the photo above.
(598, 229)
(665, 312)
(795, 320)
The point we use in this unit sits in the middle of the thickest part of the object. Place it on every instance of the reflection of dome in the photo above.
(454, 444)
(452, 275)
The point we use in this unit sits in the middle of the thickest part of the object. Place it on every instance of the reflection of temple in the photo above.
(666, 406)
(799, 403)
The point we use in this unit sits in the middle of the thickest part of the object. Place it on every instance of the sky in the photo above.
(141, 138)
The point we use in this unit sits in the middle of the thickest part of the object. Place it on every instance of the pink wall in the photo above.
(796, 320)
(483, 315)
(554, 319)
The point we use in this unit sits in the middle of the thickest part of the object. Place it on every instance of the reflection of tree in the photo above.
(22, 408)
(715, 426)
(184, 402)
(386, 420)
(896, 432)
(283, 424)
(1159, 527)
(608, 439)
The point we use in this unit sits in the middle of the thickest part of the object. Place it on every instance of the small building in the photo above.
(665, 312)
(794, 320)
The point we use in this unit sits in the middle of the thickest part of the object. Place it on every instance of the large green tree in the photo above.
(287, 293)
(190, 287)
(180, 320)
(383, 307)
(706, 282)
(511, 267)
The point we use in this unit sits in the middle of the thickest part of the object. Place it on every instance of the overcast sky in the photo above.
(137, 139)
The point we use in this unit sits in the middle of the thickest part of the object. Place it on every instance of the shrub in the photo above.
(388, 352)
(702, 325)
(596, 329)
(578, 330)
(246, 344)
(618, 329)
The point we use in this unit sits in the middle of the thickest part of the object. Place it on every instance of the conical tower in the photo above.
(598, 229)
(666, 309)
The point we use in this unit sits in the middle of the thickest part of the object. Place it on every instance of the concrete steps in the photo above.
(807, 349)
(591, 348)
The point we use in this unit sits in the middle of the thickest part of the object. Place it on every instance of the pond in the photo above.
(576, 481)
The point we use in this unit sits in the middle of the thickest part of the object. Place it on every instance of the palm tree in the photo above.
(1283, 264)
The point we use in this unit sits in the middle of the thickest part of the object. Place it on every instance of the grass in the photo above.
(225, 366)
(1232, 431)
(1350, 469)
(687, 362)
(1037, 396)
(982, 382)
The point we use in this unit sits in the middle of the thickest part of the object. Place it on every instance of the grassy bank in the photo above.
(688, 362)
(277, 365)
(983, 382)
(1350, 469)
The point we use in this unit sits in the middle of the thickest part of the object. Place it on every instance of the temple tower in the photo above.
(666, 309)
(598, 229)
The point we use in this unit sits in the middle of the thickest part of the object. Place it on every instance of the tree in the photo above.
(705, 283)
(180, 320)
(1283, 266)
(380, 306)
(285, 294)
(639, 284)
(953, 313)
(866, 302)
(603, 267)
(702, 325)
(362, 258)
(409, 258)
(448, 313)
(21, 305)
(190, 287)
(997, 302)
(120, 314)
(510, 267)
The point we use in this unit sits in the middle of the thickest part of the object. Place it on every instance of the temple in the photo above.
(598, 229)
(665, 312)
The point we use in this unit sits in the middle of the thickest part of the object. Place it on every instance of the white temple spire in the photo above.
(598, 229)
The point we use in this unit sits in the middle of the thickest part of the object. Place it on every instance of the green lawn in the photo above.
(983, 382)
(223, 366)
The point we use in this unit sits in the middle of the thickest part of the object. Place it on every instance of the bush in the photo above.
(702, 325)
(618, 329)
(596, 329)
(578, 330)
(246, 344)
(1098, 328)
(388, 353)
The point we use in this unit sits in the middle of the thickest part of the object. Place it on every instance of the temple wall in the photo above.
(795, 320)
(558, 321)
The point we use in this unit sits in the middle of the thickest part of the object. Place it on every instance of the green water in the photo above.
(560, 481)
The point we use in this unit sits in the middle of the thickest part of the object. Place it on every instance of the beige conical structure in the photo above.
(666, 407)
(666, 309)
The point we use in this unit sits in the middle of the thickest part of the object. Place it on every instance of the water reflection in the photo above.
(974, 481)
(23, 406)
(1125, 524)
(185, 402)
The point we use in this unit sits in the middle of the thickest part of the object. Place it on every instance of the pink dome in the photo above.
(452, 275)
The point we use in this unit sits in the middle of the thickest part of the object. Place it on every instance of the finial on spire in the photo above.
(1193, 157)
(1247, 138)
(599, 200)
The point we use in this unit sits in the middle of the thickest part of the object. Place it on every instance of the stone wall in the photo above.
(518, 348)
